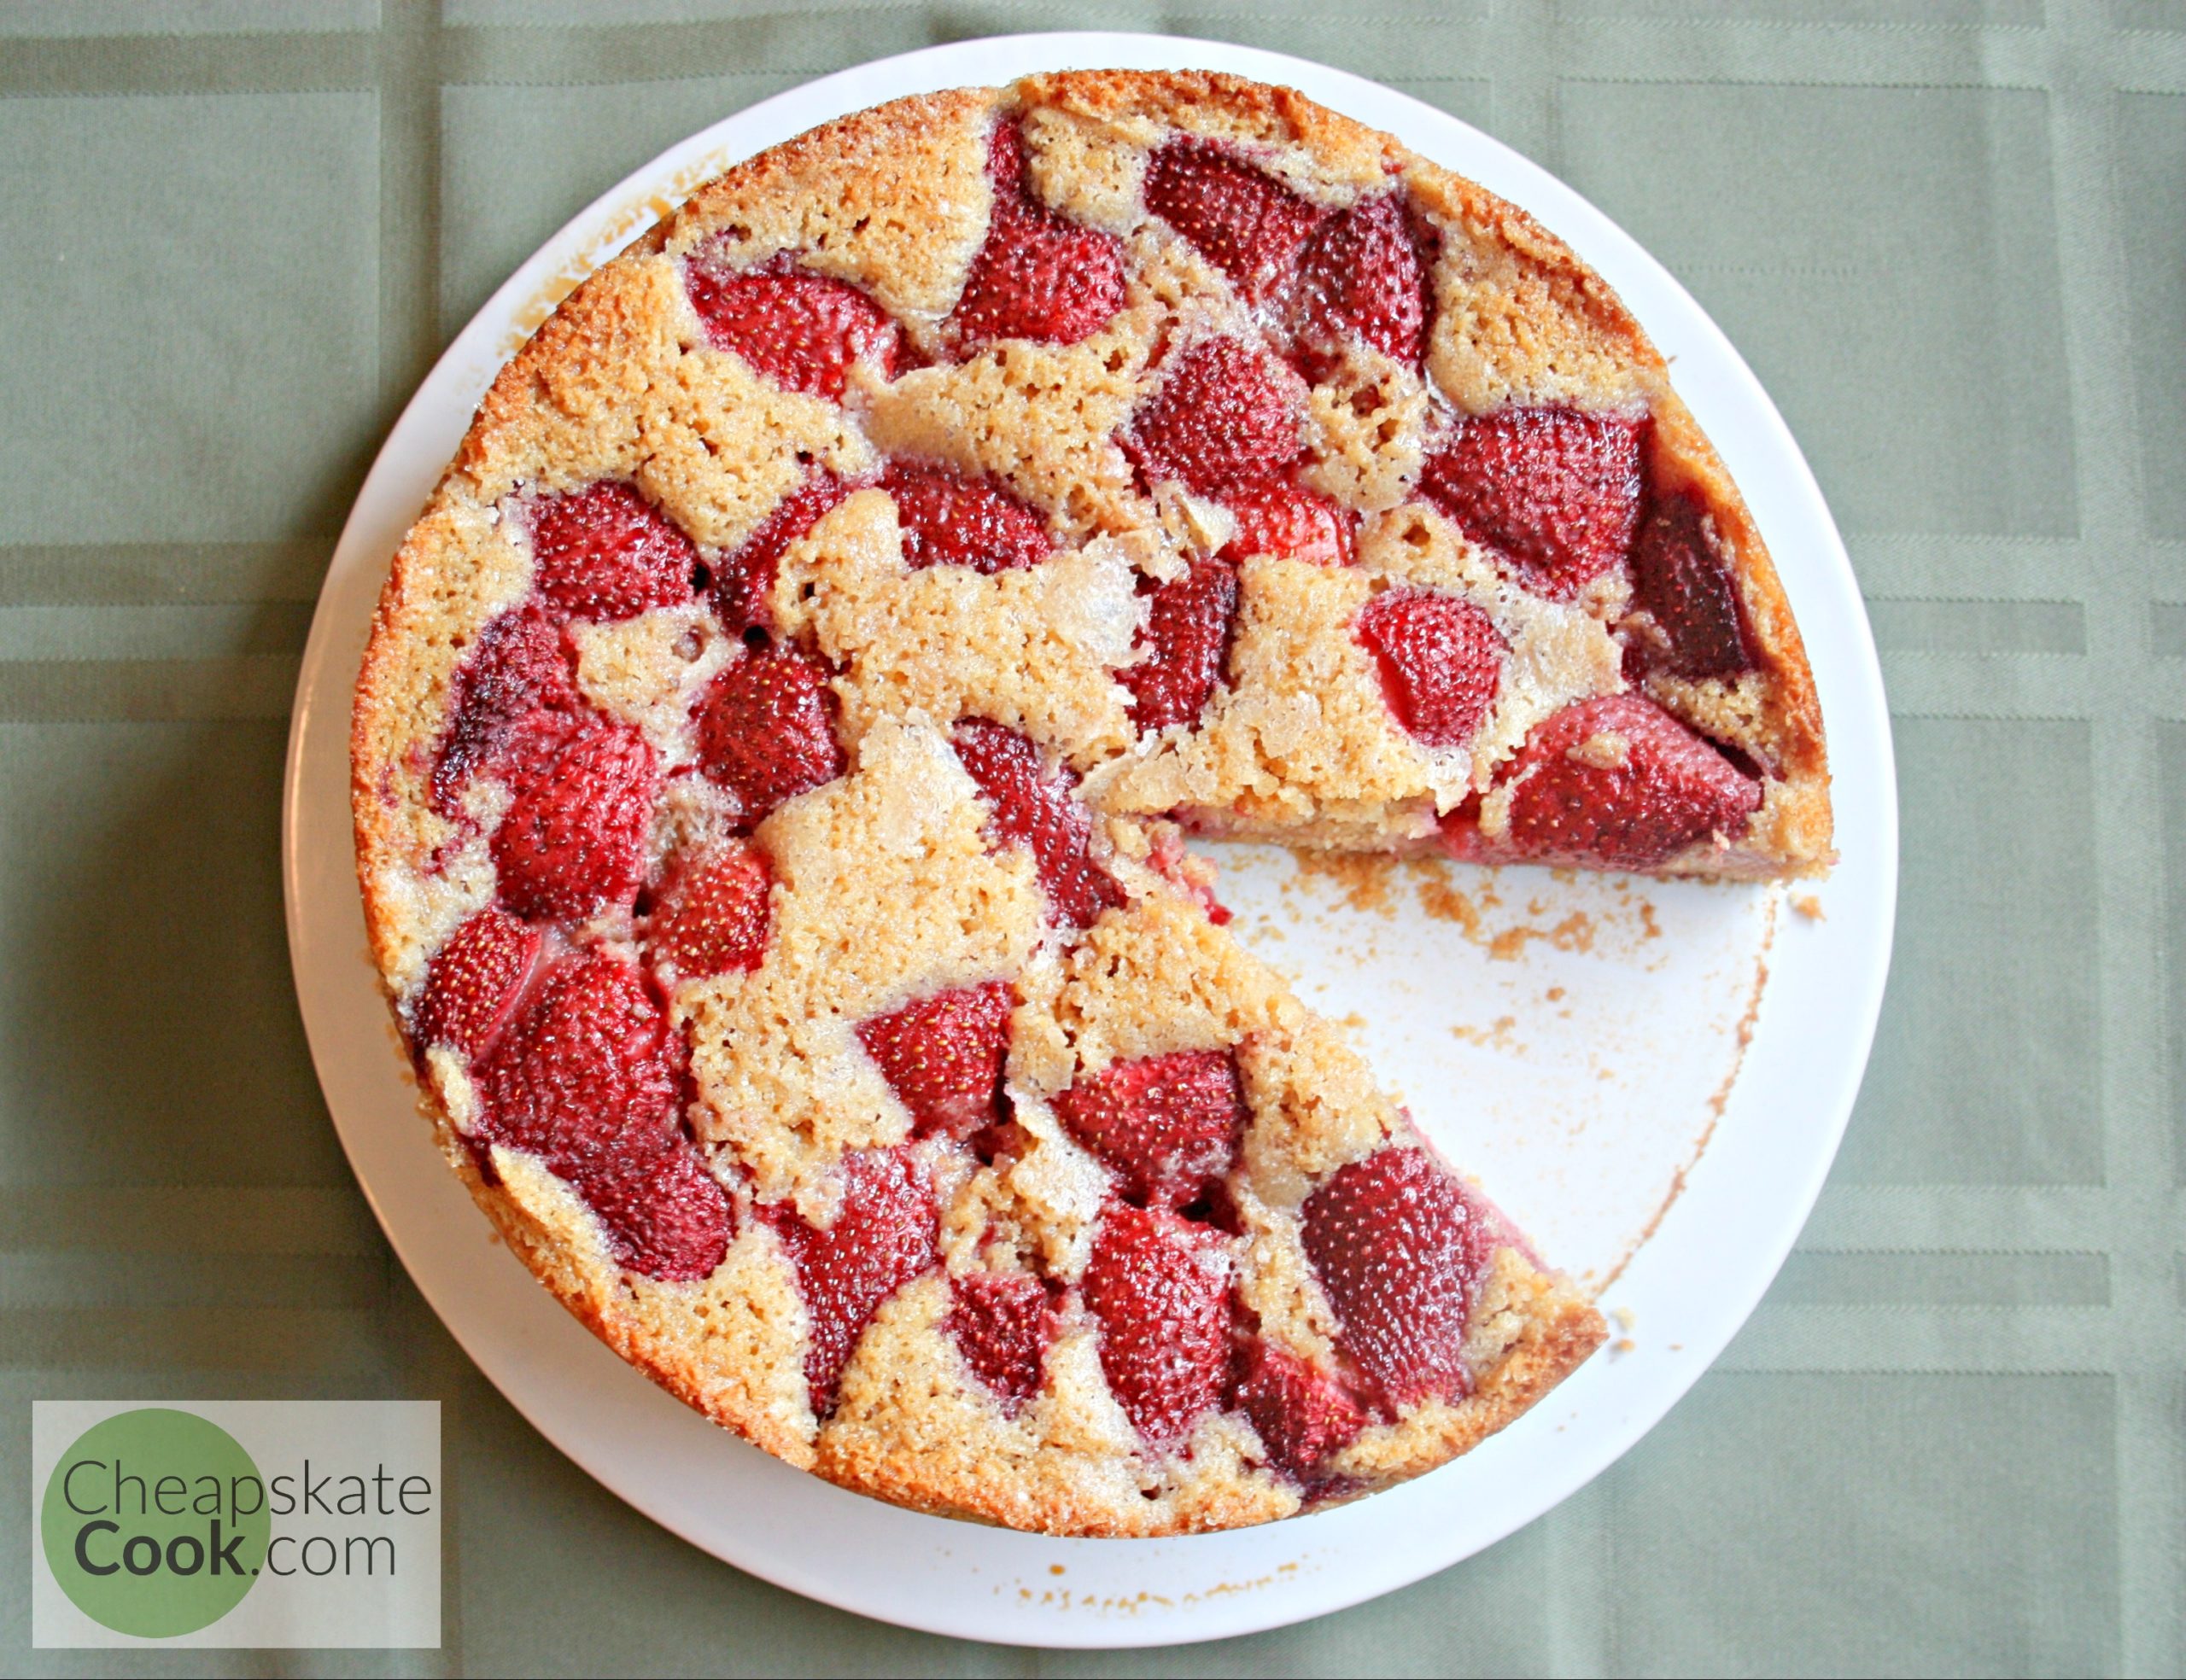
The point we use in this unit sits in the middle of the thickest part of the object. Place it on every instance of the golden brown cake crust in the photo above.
(621, 383)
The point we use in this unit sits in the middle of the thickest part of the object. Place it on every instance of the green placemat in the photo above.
(1950, 235)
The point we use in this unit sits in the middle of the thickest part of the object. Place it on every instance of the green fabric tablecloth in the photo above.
(1950, 235)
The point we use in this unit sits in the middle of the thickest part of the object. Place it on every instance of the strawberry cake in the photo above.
(775, 754)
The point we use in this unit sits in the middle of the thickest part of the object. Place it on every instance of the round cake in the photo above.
(775, 750)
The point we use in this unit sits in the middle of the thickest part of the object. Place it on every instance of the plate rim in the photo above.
(1855, 692)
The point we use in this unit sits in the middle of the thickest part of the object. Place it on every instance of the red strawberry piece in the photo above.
(714, 919)
(1167, 1124)
(950, 519)
(1186, 640)
(884, 1234)
(764, 729)
(588, 1079)
(1366, 272)
(942, 1057)
(1007, 1143)
(1302, 1414)
(1556, 491)
(744, 582)
(1003, 1325)
(667, 1213)
(803, 330)
(516, 670)
(1036, 808)
(1038, 276)
(1244, 220)
(1619, 782)
(1276, 517)
(1442, 662)
(588, 1071)
(1681, 575)
(1159, 1287)
(1460, 834)
(474, 981)
(1222, 419)
(573, 840)
(1401, 1249)
(604, 552)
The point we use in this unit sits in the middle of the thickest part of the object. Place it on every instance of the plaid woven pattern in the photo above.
(1950, 235)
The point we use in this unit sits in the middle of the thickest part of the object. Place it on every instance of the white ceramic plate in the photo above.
(1577, 1047)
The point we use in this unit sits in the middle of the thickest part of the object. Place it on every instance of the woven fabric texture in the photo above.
(1949, 234)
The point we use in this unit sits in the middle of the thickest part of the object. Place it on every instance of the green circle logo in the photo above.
(155, 1522)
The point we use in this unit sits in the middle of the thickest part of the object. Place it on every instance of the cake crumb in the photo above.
(1497, 1037)
(1575, 932)
(1625, 1317)
(1445, 903)
(1810, 907)
(1363, 880)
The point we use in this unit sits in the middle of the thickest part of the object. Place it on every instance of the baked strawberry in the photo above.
(1401, 1249)
(1302, 1414)
(766, 731)
(714, 918)
(1556, 492)
(473, 982)
(950, 519)
(1007, 1143)
(573, 840)
(1223, 417)
(604, 552)
(588, 1080)
(744, 582)
(1366, 272)
(1458, 832)
(1442, 662)
(1002, 1324)
(588, 1072)
(1681, 575)
(1276, 517)
(667, 1213)
(1038, 276)
(803, 330)
(942, 1057)
(1036, 808)
(1159, 1287)
(516, 670)
(883, 1235)
(1242, 220)
(1169, 1124)
(1186, 643)
(1620, 783)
